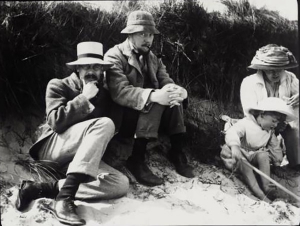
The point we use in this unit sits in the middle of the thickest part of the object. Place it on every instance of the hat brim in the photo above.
(272, 67)
(290, 115)
(140, 28)
(89, 60)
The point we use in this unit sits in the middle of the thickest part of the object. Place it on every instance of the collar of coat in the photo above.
(74, 82)
(127, 50)
(259, 78)
(254, 120)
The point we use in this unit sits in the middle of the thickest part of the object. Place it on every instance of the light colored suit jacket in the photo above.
(66, 106)
(125, 80)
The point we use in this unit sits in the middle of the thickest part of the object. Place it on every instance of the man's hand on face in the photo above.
(90, 89)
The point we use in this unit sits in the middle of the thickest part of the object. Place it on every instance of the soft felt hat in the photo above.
(272, 57)
(89, 53)
(140, 21)
(274, 104)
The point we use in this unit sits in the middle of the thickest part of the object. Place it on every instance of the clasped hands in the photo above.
(169, 95)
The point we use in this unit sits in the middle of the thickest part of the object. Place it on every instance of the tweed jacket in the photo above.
(66, 106)
(125, 80)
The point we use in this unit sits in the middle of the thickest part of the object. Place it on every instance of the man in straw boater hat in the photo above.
(148, 98)
(252, 140)
(75, 138)
(273, 80)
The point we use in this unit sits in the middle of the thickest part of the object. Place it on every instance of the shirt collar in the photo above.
(260, 78)
(252, 118)
(131, 46)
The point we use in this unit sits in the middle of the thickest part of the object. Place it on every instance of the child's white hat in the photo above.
(277, 105)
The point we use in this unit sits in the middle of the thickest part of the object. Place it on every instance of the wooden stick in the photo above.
(271, 180)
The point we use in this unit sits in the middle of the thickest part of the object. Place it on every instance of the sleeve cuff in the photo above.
(145, 98)
(233, 143)
(85, 104)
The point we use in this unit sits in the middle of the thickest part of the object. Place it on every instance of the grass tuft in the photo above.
(42, 169)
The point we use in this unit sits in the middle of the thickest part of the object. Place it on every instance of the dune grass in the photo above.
(207, 53)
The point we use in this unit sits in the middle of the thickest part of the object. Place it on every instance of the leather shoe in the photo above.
(28, 191)
(142, 173)
(180, 162)
(65, 212)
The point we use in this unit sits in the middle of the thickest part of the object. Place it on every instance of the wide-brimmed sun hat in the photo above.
(89, 53)
(274, 104)
(273, 57)
(140, 21)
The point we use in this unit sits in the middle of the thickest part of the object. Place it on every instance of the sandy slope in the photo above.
(214, 196)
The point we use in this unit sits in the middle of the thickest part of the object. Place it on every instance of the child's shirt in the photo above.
(248, 134)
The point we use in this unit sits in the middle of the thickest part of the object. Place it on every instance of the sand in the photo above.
(214, 197)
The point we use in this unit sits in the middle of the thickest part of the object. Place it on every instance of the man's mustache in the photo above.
(90, 77)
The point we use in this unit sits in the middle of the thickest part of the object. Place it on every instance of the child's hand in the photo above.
(281, 126)
(236, 153)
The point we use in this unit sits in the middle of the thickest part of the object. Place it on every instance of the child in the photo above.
(252, 139)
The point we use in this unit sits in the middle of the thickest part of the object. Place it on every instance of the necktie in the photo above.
(140, 59)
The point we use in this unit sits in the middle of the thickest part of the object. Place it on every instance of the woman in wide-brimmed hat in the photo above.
(273, 80)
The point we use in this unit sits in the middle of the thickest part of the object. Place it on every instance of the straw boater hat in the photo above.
(272, 57)
(275, 104)
(89, 53)
(140, 21)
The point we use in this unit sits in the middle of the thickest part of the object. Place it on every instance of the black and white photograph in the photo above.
(149, 112)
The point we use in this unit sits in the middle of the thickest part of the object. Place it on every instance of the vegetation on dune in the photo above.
(208, 53)
(214, 50)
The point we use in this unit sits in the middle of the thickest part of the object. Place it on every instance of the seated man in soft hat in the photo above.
(75, 138)
(148, 98)
(273, 80)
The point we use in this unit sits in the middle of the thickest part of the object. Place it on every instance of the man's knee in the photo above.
(106, 123)
(123, 185)
(120, 185)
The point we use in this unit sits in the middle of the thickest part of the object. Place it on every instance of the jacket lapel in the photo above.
(75, 83)
(150, 60)
(259, 79)
(131, 57)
